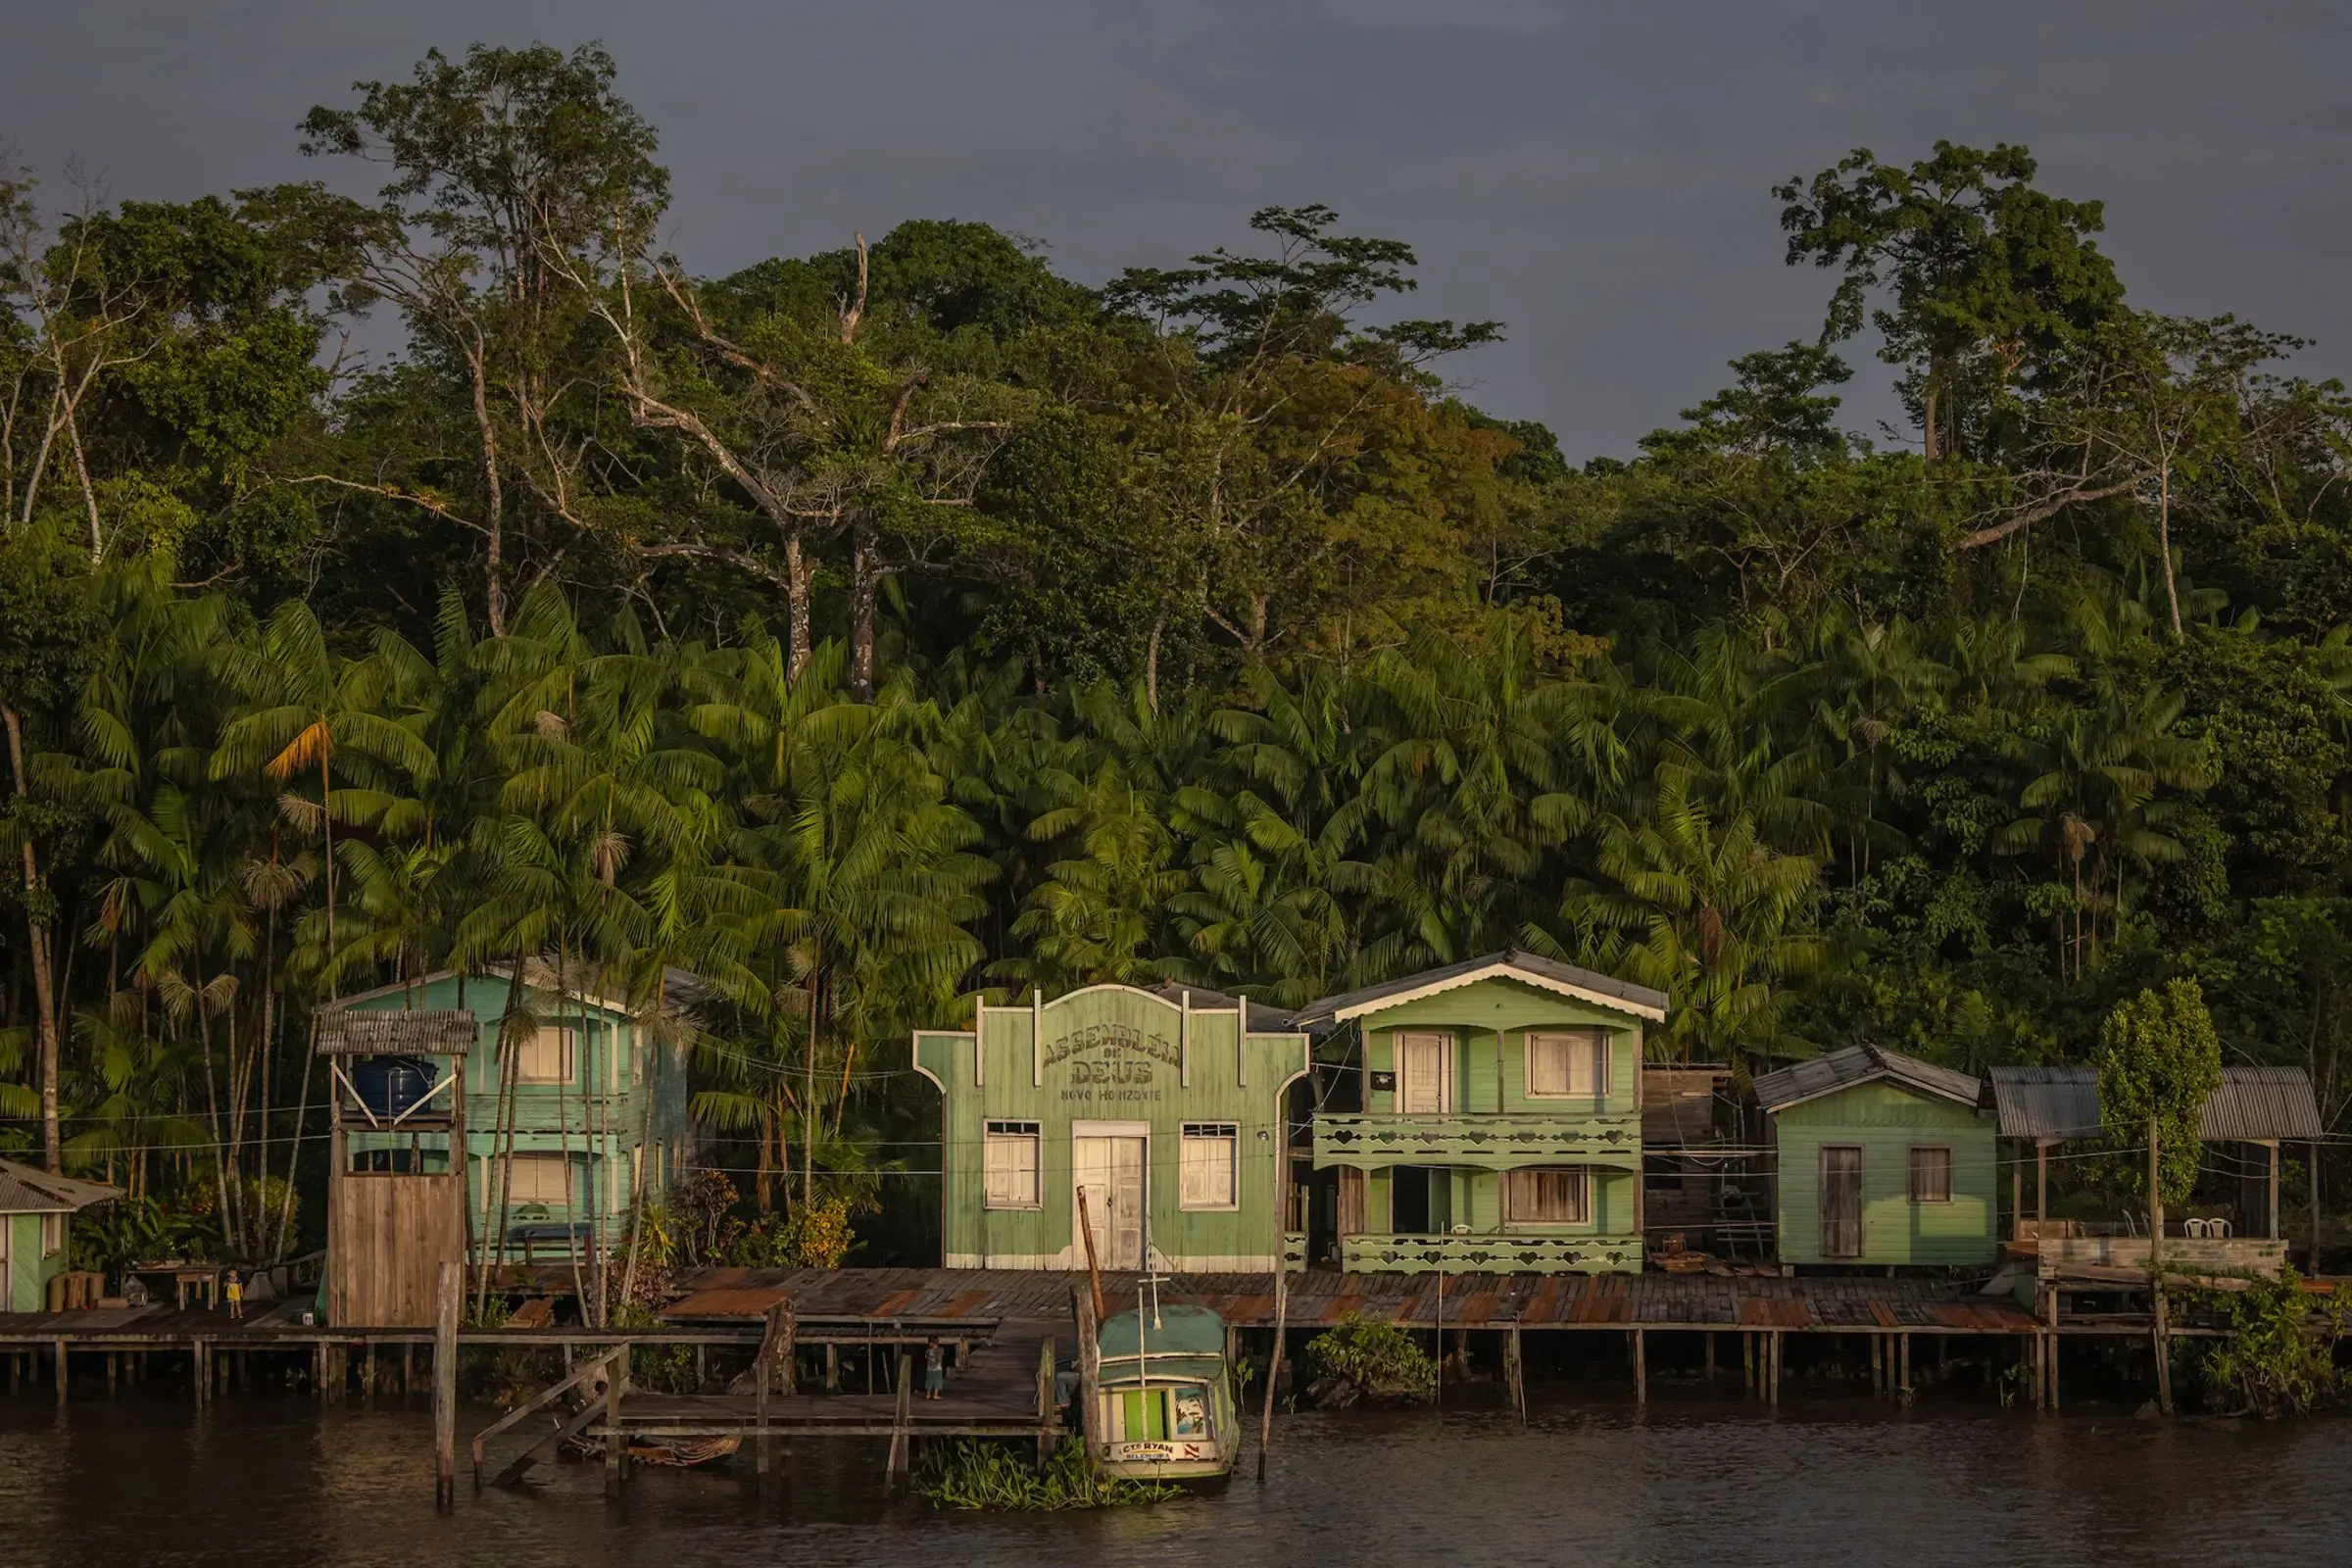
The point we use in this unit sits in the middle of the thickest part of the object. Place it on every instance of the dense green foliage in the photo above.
(997, 1477)
(2278, 1357)
(2159, 1063)
(1376, 1361)
(868, 629)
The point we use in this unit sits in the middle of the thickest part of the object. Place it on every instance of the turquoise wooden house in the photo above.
(36, 1217)
(560, 1130)
(1882, 1159)
(1158, 1114)
(1491, 1121)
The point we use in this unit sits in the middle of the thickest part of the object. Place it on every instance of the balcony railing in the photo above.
(1495, 1140)
(1490, 1254)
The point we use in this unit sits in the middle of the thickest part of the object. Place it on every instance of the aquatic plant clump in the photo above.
(2278, 1357)
(1374, 1360)
(995, 1478)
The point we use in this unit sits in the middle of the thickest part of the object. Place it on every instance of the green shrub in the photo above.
(1380, 1358)
(2280, 1356)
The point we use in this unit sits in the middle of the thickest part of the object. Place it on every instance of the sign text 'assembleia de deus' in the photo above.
(1164, 1107)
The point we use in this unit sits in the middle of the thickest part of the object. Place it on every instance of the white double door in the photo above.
(1108, 1170)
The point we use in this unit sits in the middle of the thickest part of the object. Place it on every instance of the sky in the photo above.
(1596, 176)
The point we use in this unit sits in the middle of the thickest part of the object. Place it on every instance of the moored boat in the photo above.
(1164, 1406)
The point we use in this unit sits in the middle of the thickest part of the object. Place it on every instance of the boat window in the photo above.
(1565, 1063)
(1210, 1150)
(1011, 1161)
(1191, 1411)
(1556, 1196)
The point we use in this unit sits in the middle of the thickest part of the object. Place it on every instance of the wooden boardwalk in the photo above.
(910, 1303)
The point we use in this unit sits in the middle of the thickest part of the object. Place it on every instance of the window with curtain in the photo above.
(540, 1179)
(1568, 1063)
(1012, 1164)
(545, 1057)
(1930, 1174)
(1208, 1175)
(1547, 1197)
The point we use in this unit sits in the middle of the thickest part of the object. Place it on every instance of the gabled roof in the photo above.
(1544, 974)
(1860, 1065)
(2253, 1105)
(29, 1190)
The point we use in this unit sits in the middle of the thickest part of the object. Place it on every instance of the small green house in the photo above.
(562, 1128)
(37, 1214)
(1160, 1114)
(1882, 1160)
(1494, 1121)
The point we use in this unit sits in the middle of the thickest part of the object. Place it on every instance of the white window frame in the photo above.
(1511, 1180)
(1203, 1136)
(1008, 1136)
(567, 1049)
(1590, 1046)
(1911, 1173)
(1445, 1070)
(53, 1235)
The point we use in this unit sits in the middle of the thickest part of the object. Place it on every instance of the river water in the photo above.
(262, 1481)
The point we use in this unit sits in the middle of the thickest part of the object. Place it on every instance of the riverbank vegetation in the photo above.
(422, 568)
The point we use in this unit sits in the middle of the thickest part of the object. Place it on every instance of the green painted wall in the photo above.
(1110, 1055)
(26, 1286)
(1885, 1120)
(1501, 1012)
(635, 1090)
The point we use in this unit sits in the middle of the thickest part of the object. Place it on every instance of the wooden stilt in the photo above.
(450, 1294)
(1711, 1357)
(1747, 1362)
(615, 1377)
(901, 1435)
(408, 1367)
(1641, 1368)
(1778, 1349)
(1517, 1353)
(1903, 1351)
(112, 1367)
(702, 1367)
(832, 1367)
(318, 1371)
(61, 1376)
(1878, 1363)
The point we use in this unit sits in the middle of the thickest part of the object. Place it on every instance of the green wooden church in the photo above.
(1152, 1119)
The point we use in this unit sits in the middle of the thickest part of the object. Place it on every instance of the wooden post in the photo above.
(2017, 1196)
(832, 1367)
(1046, 1422)
(449, 1293)
(367, 1371)
(201, 1372)
(759, 1455)
(2041, 1183)
(61, 1376)
(902, 1439)
(1090, 1371)
(1711, 1358)
(408, 1367)
(615, 1373)
(2041, 1382)
(1903, 1351)
(1265, 1422)
(319, 1370)
(1878, 1363)
(1747, 1362)
(1641, 1368)
(2163, 1328)
(1776, 1349)
(2272, 1149)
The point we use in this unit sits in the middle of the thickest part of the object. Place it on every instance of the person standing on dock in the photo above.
(234, 1288)
(935, 1369)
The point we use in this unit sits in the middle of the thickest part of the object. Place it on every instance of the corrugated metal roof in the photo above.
(1328, 1009)
(2252, 1104)
(1262, 1019)
(1860, 1065)
(29, 1190)
(421, 1032)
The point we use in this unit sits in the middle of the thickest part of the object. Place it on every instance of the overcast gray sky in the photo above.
(1596, 176)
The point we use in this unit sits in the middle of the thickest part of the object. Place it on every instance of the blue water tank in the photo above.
(389, 1086)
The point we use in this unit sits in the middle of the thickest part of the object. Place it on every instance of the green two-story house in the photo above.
(564, 1126)
(1496, 1121)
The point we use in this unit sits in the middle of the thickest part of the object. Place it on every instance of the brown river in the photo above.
(260, 1481)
